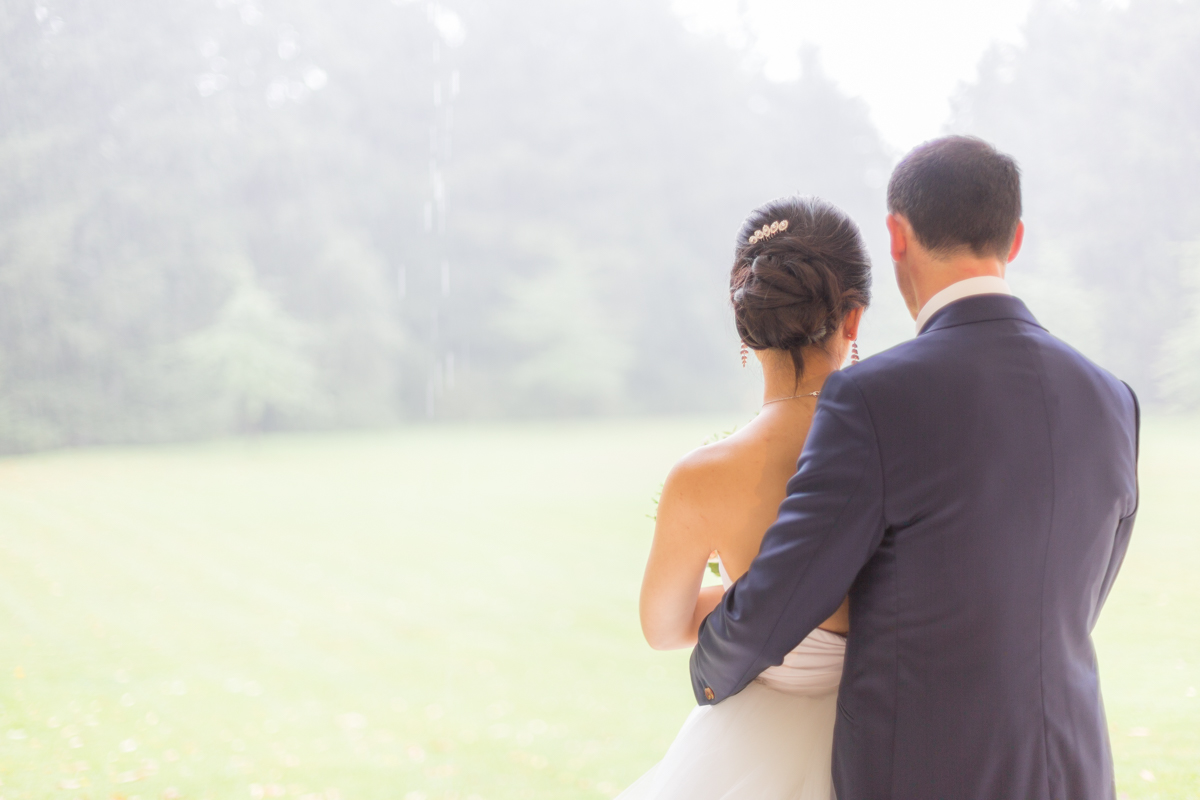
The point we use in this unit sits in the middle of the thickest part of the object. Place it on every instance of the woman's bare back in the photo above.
(722, 497)
(758, 461)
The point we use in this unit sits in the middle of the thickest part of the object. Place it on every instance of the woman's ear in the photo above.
(850, 326)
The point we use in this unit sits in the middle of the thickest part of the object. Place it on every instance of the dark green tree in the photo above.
(244, 216)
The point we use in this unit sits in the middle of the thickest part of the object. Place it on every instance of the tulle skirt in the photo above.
(760, 744)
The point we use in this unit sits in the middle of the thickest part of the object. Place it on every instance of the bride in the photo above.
(800, 282)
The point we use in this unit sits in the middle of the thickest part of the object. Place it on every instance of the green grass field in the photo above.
(427, 614)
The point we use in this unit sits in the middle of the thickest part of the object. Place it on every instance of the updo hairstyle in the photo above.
(792, 289)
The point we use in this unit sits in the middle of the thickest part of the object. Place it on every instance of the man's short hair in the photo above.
(958, 192)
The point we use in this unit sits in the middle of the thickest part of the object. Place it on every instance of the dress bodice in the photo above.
(813, 667)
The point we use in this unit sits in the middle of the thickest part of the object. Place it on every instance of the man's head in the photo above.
(958, 193)
(954, 206)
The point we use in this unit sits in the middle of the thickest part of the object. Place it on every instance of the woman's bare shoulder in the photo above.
(710, 474)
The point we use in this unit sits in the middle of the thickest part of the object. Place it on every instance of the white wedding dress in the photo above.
(771, 741)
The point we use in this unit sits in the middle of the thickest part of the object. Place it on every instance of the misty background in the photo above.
(245, 216)
(416, 226)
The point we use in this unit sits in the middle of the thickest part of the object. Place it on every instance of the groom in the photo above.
(973, 492)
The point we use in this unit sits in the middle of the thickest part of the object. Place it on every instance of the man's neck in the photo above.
(938, 274)
(968, 287)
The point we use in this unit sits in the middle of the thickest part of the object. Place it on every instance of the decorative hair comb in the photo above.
(767, 231)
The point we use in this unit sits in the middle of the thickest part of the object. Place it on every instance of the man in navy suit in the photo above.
(973, 491)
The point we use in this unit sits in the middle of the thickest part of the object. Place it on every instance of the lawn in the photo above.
(426, 614)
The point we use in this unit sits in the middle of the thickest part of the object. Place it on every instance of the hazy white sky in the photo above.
(905, 59)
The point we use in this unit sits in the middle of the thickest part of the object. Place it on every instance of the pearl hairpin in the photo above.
(767, 231)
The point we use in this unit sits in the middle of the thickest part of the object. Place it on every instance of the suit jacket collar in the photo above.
(979, 308)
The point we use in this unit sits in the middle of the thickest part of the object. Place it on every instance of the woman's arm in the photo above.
(673, 604)
(830, 525)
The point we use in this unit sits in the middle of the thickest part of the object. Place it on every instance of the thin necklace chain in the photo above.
(817, 393)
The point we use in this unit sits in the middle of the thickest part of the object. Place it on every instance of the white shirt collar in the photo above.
(987, 284)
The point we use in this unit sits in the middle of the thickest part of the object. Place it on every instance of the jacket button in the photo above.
(708, 693)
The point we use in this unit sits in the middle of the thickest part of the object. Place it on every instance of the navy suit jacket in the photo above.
(973, 492)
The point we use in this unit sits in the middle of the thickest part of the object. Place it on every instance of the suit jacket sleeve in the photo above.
(1125, 526)
(828, 527)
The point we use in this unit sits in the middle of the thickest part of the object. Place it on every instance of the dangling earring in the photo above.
(745, 354)
(854, 353)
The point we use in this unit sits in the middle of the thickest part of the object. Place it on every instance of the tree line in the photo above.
(240, 216)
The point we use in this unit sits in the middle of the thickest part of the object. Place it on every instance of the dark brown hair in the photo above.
(958, 192)
(792, 289)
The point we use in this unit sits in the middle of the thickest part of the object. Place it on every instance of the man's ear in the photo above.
(1018, 239)
(898, 229)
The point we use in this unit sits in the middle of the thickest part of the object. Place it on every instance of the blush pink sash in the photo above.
(813, 667)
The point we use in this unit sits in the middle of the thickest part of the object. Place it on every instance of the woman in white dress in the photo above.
(800, 283)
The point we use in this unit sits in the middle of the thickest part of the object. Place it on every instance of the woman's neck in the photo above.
(779, 373)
